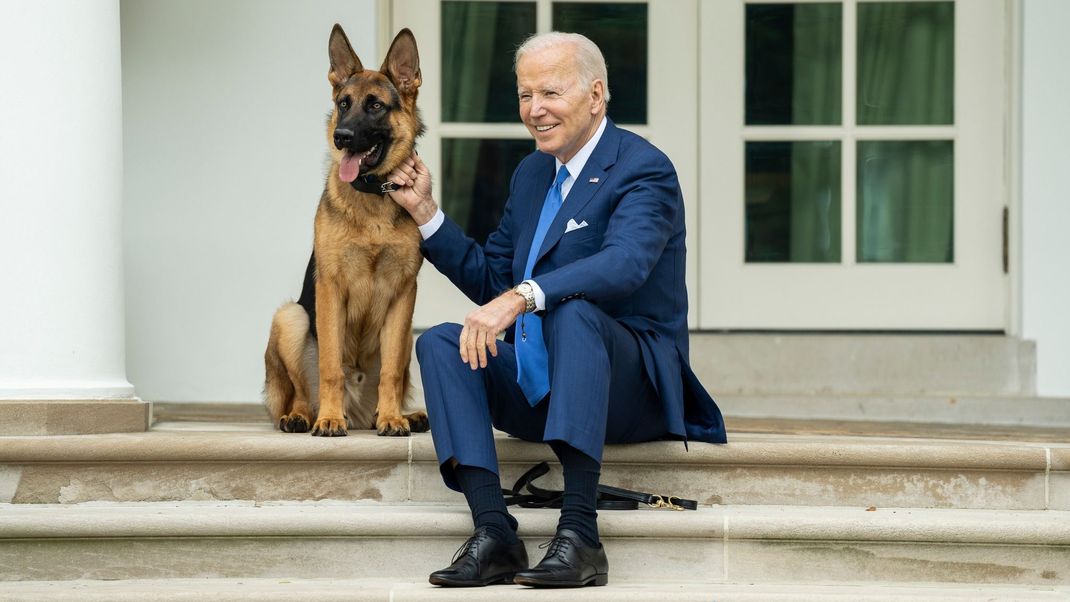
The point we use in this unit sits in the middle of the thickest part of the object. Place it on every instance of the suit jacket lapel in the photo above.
(583, 190)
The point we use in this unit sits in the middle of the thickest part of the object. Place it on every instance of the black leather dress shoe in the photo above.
(568, 563)
(482, 560)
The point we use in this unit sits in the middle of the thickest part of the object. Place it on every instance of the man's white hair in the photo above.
(589, 59)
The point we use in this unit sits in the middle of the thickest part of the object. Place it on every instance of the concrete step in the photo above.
(998, 411)
(378, 590)
(73, 416)
(1006, 413)
(867, 364)
(761, 544)
(257, 464)
(899, 430)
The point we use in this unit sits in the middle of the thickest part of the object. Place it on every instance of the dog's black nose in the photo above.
(342, 138)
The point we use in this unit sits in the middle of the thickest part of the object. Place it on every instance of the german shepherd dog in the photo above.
(341, 353)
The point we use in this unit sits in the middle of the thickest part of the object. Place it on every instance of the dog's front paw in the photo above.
(293, 423)
(329, 427)
(418, 422)
(392, 426)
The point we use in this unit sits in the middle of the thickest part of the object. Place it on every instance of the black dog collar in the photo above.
(374, 185)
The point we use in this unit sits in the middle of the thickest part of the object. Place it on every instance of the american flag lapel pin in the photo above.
(593, 180)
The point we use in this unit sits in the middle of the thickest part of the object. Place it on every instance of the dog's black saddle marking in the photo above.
(308, 294)
(373, 185)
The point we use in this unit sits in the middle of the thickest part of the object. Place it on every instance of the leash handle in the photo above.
(609, 498)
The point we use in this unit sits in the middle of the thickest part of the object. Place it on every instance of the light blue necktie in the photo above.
(531, 370)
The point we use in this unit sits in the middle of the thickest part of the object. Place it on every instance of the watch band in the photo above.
(525, 291)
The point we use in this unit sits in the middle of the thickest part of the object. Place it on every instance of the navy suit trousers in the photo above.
(599, 391)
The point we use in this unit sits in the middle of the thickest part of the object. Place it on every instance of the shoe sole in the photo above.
(506, 579)
(596, 580)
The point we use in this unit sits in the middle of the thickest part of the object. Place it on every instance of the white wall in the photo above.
(1046, 191)
(224, 111)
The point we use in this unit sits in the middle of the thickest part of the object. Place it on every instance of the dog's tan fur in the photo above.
(367, 253)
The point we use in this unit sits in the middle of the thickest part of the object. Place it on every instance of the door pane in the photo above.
(478, 42)
(906, 201)
(793, 64)
(906, 63)
(475, 180)
(792, 209)
(620, 31)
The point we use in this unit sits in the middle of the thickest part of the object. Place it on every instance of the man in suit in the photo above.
(585, 275)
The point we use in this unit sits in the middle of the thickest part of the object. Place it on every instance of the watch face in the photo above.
(528, 293)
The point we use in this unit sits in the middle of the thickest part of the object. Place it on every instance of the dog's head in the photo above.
(374, 124)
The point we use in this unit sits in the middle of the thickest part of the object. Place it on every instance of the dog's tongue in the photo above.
(349, 167)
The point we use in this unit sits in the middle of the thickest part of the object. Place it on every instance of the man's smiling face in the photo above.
(560, 111)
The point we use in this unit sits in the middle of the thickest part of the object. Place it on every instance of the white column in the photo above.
(61, 262)
(1045, 191)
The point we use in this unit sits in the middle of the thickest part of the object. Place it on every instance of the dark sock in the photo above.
(579, 505)
(483, 490)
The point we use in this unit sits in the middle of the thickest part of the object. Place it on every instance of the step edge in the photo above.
(763, 450)
(782, 523)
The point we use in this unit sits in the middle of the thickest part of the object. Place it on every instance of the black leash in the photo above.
(609, 498)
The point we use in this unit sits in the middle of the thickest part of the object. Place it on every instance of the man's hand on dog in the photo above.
(481, 328)
(413, 180)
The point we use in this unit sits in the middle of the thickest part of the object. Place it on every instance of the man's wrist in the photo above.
(424, 211)
(517, 300)
(525, 292)
(540, 295)
(428, 229)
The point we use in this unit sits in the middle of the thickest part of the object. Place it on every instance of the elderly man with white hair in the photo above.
(585, 276)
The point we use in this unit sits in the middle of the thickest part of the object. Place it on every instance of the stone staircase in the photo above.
(212, 504)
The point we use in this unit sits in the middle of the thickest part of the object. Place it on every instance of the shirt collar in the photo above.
(575, 165)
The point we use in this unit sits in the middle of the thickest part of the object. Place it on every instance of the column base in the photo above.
(74, 416)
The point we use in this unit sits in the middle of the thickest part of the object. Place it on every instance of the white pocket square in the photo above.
(572, 225)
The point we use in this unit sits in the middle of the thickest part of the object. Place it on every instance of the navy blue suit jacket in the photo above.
(629, 260)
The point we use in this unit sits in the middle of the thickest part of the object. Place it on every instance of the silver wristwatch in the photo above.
(524, 290)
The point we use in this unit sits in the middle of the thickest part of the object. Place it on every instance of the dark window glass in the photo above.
(792, 210)
(906, 201)
(478, 42)
(475, 180)
(793, 64)
(620, 31)
(906, 63)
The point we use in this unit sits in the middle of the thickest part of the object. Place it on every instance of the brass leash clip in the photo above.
(667, 503)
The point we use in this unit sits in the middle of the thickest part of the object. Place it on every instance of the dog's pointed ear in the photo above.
(344, 61)
(402, 64)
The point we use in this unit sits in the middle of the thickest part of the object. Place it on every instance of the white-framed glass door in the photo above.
(468, 102)
(853, 165)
